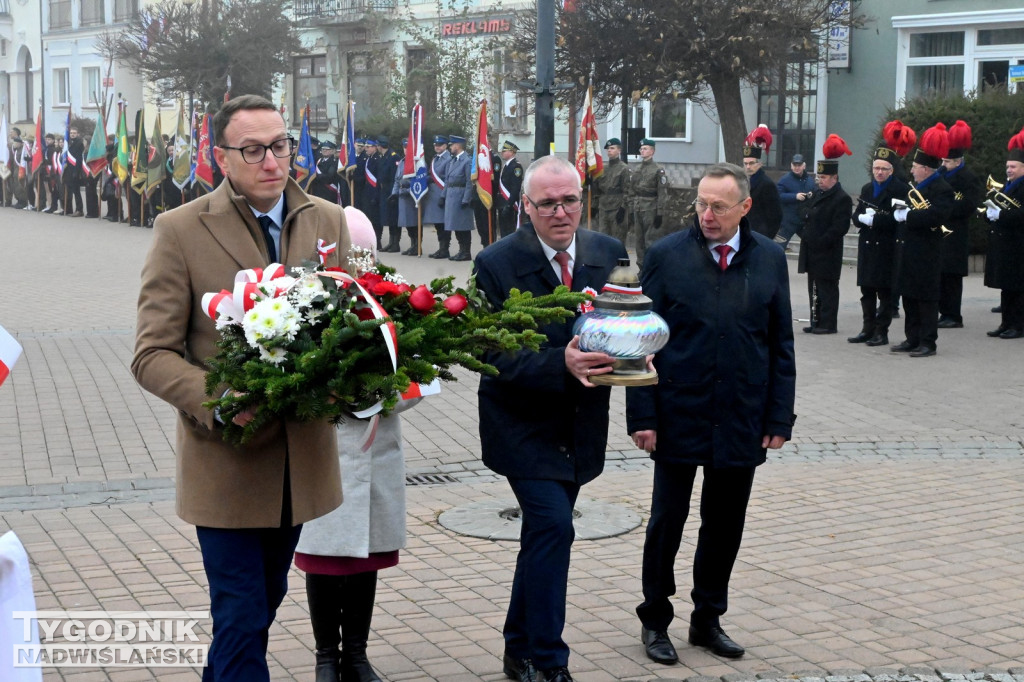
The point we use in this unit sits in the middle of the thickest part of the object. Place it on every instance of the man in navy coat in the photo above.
(725, 395)
(543, 424)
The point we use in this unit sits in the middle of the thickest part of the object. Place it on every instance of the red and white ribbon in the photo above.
(249, 288)
(324, 250)
(616, 289)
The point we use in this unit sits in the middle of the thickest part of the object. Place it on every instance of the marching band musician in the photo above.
(1003, 269)
(967, 195)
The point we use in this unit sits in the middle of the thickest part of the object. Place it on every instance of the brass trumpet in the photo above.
(917, 200)
(995, 198)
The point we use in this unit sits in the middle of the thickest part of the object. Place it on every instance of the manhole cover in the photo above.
(501, 520)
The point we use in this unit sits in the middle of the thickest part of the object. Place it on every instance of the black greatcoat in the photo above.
(827, 222)
(956, 247)
(537, 420)
(765, 214)
(876, 245)
(728, 374)
(919, 243)
(1004, 266)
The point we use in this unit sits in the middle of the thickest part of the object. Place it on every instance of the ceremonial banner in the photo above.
(182, 151)
(37, 145)
(415, 167)
(304, 164)
(10, 351)
(96, 157)
(156, 158)
(483, 174)
(347, 158)
(120, 163)
(204, 163)
(589, 162)
(5, 151)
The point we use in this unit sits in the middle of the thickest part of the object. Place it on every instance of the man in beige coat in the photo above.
(248, 502)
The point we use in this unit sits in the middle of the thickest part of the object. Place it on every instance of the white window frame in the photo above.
(969, 23)
(62, 87)
(87, 84)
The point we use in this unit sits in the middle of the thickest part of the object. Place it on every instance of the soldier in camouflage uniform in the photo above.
(610, 188)
(648, 195)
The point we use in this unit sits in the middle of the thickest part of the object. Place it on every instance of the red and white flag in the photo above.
(483, 173)
(10, 351)
(588, 148)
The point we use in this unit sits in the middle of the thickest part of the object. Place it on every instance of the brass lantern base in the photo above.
(627, 372)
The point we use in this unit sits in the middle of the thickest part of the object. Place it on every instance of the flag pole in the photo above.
(419, 231)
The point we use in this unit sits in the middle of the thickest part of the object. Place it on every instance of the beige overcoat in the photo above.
(198, 248)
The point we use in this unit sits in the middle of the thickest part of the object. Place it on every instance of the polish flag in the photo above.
(10, 351)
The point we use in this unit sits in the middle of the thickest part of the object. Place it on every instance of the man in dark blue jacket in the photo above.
(543, 424)
(725, 395)
(794, 187)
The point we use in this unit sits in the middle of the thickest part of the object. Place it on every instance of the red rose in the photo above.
(404, 288)
(455, 304)
(364, 313)
(370, 280)
(385, 288)
(421, 299)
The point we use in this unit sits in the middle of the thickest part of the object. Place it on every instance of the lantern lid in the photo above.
(622, 291)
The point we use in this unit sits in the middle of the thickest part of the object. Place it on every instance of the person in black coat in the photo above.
(919, 249)
(543, 424)
(372, 189)
(74, 177)
(765, 215)
(967, 196)
(388, 165)
(725, 395)
(1003, 266)
(510, 184)
(876, 247)
(826, 222)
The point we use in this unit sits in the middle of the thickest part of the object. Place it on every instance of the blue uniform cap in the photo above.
(440, 139)
(456, 139)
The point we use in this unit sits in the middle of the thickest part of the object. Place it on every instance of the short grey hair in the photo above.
(554, 164)
(727, 170)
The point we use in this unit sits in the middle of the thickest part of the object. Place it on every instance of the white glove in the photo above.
(867, 219)
(900, 214)
(992, 213)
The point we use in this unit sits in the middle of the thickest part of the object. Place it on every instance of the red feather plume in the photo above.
(898, 137)
(935, 141)
(960, 136)
(1017, 141)
(835, 147)
(760, 137)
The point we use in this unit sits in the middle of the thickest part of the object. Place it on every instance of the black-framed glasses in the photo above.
(717, 209)
(550, 207)
(255, 153)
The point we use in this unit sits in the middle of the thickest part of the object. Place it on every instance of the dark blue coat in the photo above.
(727, 377)
(919, 242)
(536, 419)
(789, 186)
(1004, 266)
(876, 245)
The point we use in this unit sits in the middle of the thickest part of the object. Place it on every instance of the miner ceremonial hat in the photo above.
(327, 144)
(959, 139)
(509, 146)
(833, 148)
(897, 141)
(1016, 147)
(613, 141)
(456, 139)
(933, 146)
(440, 139)
(648, 142)
(758, 139)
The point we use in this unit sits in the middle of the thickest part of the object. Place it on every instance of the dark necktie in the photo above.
(562, 258)
(266, 222)
(723, 256)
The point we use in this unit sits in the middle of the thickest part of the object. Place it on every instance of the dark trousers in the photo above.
(73, 204)
(536, 610)
(723, 510)
(92, 199)
(247, 569)
(921, 321)
(507, 222)
(480, 215)
(951, 292)
(1012, 303)
(876, 308)
(824, 297)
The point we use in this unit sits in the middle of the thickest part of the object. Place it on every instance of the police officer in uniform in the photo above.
(389, 160)
(648, 193)
(457, 197)
(967, 196)
(372, 189)
(510, 185)
(328, 183)
(407, 210)
(610, 188)
(359, 176)
(433, 207)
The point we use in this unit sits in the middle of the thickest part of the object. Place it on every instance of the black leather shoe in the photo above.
(440, 253)
(998, 331)
(460, 256)
(559, 674)
(863, 337)
(997, 309)
(356, 668)
(949, 323)
(518, 669)
(327, 661)
(904, 347)
(823, 330)
(878, 340)
(391, 248)
(658, 646)
(922, 352)
(715, 639)
(1012, 334)
(411, 251)
(808, 330)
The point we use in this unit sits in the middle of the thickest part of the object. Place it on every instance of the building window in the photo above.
(62, 87)
(310, 80)
(60, 14)
(937, 44)
(787, 104)
(670, 117)
(125, 10)
(92, 12)
(937, 79)
(92, 92)
(421, 77)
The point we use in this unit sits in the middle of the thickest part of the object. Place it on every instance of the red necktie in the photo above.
(562, 258)
(723, 256)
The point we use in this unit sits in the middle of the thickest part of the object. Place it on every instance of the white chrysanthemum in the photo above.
(270, 319)
(307, 290)
(274, 356)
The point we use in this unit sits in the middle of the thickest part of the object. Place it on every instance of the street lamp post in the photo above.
(189, 4)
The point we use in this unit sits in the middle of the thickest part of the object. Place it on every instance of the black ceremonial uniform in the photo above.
(510, 182)
(821, 254)
(1003, 266)
(967, 196)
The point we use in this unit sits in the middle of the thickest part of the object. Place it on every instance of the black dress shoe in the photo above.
(904, 347)
(559, 674)
(715, 639)
(1012, 334)
(997, 309)
(460, 256)
(440, 253)
(327, 661)
(878, 340)
(808, 330)
(922, 352)
(949, 323)
(658, 646)
(823, 330)
(998, 331)
(391, 248)
(863, 337)
(411, 251)
(518, 669)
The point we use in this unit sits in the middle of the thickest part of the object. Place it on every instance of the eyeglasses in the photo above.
(718, 210)
(255, 153)
(548, 208)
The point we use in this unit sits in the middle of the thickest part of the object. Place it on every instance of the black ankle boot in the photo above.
(327, 665)
(356, 613)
